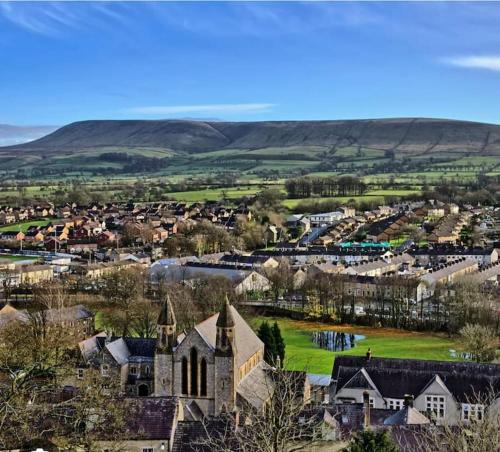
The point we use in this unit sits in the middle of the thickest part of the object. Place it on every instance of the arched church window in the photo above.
(184, 375)
(203, 377)
(194, 371)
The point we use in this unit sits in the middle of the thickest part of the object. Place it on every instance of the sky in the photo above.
(246, 61)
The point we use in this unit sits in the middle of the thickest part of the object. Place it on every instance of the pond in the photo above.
(335, 341)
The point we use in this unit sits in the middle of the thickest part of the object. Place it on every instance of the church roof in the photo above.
(247, 342)
(257, 386)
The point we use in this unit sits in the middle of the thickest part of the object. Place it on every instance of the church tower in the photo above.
(166, 342)
(225, 361)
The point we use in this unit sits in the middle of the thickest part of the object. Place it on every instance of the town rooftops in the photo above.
(395, 378)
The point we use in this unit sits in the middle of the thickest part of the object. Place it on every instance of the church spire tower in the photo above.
(225, 360)
(225, 343)
(166, 341)
(166, 327)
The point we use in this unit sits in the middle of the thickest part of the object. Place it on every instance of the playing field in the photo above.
(303, 354)
(23, 227)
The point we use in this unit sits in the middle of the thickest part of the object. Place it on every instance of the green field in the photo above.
(373, 195)
(214, 194)
(23, 227)
(15, 258)
(302, 353)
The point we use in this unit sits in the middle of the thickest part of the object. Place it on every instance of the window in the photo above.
(79, 374)
(395, 404)
(203, 377)
(184, 375)
(133, 370)
(148, 370)
(371, 402)
(105, 370)
(194, 371)
(472, 411)
(148, 449)
(435, 404)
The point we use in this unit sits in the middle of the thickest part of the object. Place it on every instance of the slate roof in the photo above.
(407, 416)
(257, 386)
(189, 435)
(150, 417)
(122, 349)
(396, 377)
(247, 342)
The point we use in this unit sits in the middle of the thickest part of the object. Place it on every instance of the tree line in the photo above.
(306, 187)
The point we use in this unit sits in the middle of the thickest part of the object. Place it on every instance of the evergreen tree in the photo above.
(279, 342)
(371, 441)
(265, 334)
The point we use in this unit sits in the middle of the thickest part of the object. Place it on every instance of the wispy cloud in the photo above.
(210, 108)
(53, 19)
(491, 62)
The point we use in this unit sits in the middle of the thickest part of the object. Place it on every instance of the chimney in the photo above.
(369, 354)
(109, 335)
(408, 403)
(366, 409)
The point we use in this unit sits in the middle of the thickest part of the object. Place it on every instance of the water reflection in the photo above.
(335, 341)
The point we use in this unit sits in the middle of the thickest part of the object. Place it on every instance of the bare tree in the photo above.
(480, 341)
(280, 424)
(480, 432)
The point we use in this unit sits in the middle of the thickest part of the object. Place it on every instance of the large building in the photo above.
(445, 391)
(213, 368)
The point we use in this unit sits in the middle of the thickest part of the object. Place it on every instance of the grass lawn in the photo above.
(24, 226)
(15, 258)
(302, 353)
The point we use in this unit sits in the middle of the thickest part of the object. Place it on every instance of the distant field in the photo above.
(214, 194)
(15, 257)
(373, 195)
(23, 227)
(303, 354)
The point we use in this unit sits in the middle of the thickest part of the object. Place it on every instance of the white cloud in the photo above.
(491, 63)
(210, 108)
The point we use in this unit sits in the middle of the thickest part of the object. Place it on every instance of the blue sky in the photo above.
(68, 61)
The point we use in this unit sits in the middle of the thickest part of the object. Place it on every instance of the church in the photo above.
(214, 368)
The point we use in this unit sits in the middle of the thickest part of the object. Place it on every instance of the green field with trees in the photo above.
(302, 353)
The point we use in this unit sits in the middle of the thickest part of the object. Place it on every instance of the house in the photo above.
(12, 235)
(442, 391)
(271, 234)
(78, 320)
(448, 273)
(243, 279)
(250, 261)
(447, 253)
(34, 274)
(381, 266)
(325, 219)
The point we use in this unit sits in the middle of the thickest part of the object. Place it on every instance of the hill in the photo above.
(406, 136)
(259, 149)
(10, 135)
